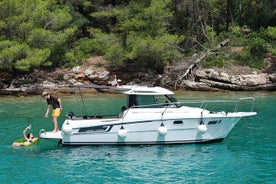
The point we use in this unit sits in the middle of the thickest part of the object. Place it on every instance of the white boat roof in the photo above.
(144, 90)
(131, 89)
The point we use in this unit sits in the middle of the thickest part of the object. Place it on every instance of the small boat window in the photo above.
(178, 122)
(214, 122)
(173, 100)
(132, 101)
(151, 101)
(95, 129)
(146, 101)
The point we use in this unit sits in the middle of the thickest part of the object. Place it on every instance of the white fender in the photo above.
(122, 133)
(202, 128)
(67, 128)
(162, 130)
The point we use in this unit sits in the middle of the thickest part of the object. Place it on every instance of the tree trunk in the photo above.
(228, 15)
(179, 81)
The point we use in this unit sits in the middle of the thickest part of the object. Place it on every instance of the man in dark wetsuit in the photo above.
(57, 107)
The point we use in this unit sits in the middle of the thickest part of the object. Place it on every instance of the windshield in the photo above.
(154, 101)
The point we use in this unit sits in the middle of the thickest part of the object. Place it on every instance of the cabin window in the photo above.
(142, 100)
(145, 100)
(214, 122)
(151, 101)
(95, 129)
(179, 122)
(132, 101)
(161, 99)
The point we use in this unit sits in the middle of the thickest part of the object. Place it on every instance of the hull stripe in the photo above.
(143, 143)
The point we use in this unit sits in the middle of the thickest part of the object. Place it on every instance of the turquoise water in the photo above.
(247, 155)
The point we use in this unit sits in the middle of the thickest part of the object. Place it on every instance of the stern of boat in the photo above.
(49, 135)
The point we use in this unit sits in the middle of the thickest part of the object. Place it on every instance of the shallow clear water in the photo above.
(247, 155)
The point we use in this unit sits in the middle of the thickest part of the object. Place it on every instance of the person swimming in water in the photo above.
(29, 138)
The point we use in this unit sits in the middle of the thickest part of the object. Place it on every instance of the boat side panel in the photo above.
(184, 131)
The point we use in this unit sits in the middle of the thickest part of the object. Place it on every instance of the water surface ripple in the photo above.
(247, 155)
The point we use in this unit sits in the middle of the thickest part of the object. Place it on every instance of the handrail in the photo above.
(237, 102)
(201, 103)
(246, 98)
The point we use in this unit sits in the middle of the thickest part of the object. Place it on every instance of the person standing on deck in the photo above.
(57, 108)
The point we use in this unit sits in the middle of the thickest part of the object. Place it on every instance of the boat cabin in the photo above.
(149, 97)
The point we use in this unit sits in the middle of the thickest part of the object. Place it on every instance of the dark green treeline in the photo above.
(46, 34)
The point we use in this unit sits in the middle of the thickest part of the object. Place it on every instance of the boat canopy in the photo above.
(131, 89)
(145, 90)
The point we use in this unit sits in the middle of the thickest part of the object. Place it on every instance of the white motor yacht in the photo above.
(152, 116)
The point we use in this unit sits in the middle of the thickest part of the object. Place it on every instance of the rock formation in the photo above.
(95, 72)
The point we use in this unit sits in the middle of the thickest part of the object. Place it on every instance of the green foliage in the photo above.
(146, 33)
(244, 58)
(253, 13)
(271, 32)
(82, 49)
(254, 46)
(34, 59)
(214, 61)
(40, 38)
(18, 56)
(140, 36)
(102, 40)
(258, 46)
(269, 35)
(11, 52)
(254, 50)
(115, 54)
(150, 52)
(42, 31)
(236, 30)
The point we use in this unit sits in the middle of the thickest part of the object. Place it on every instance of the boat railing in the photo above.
(155, 105)
(204, 104)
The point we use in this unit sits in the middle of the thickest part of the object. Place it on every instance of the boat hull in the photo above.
(178, 131)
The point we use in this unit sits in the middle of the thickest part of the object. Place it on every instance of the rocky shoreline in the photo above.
(211, 79)
(94, 72)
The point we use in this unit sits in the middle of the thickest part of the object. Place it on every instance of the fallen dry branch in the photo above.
(191, 68)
